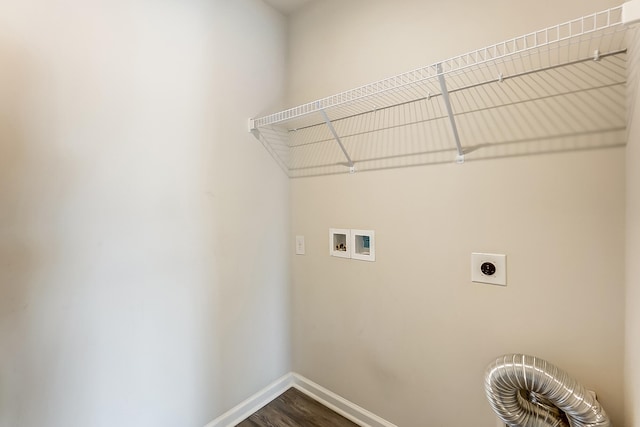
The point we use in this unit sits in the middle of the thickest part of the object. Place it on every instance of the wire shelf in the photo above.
(560, 88)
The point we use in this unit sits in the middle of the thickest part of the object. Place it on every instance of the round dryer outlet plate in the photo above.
(489, 268)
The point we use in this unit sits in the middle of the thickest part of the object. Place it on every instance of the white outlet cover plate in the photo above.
(499, 260)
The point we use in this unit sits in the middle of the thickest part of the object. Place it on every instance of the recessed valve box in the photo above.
(363, 245)
(340, 242)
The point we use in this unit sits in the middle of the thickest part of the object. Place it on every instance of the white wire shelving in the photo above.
(560, 88)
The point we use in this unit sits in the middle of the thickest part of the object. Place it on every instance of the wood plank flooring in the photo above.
(295, 409)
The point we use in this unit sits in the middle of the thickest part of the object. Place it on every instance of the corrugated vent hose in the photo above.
(526, 391)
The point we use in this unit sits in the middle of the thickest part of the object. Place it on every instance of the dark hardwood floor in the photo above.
(295, 409)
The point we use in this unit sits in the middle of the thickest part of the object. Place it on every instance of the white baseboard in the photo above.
(243, 410)
(342, 406)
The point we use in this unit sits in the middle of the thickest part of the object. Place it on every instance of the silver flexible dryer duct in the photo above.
(525, 391)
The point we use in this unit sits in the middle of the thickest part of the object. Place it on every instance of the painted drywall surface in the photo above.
(632, 353)
(409, 336)
(142, 229)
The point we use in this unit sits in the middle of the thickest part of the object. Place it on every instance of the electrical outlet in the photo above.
(489, 268)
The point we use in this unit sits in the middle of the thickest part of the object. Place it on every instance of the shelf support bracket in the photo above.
(352, 167)
(452, 120)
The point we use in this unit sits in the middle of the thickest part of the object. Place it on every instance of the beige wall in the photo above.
(632, 372)
(143, 280)
(409, 336)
